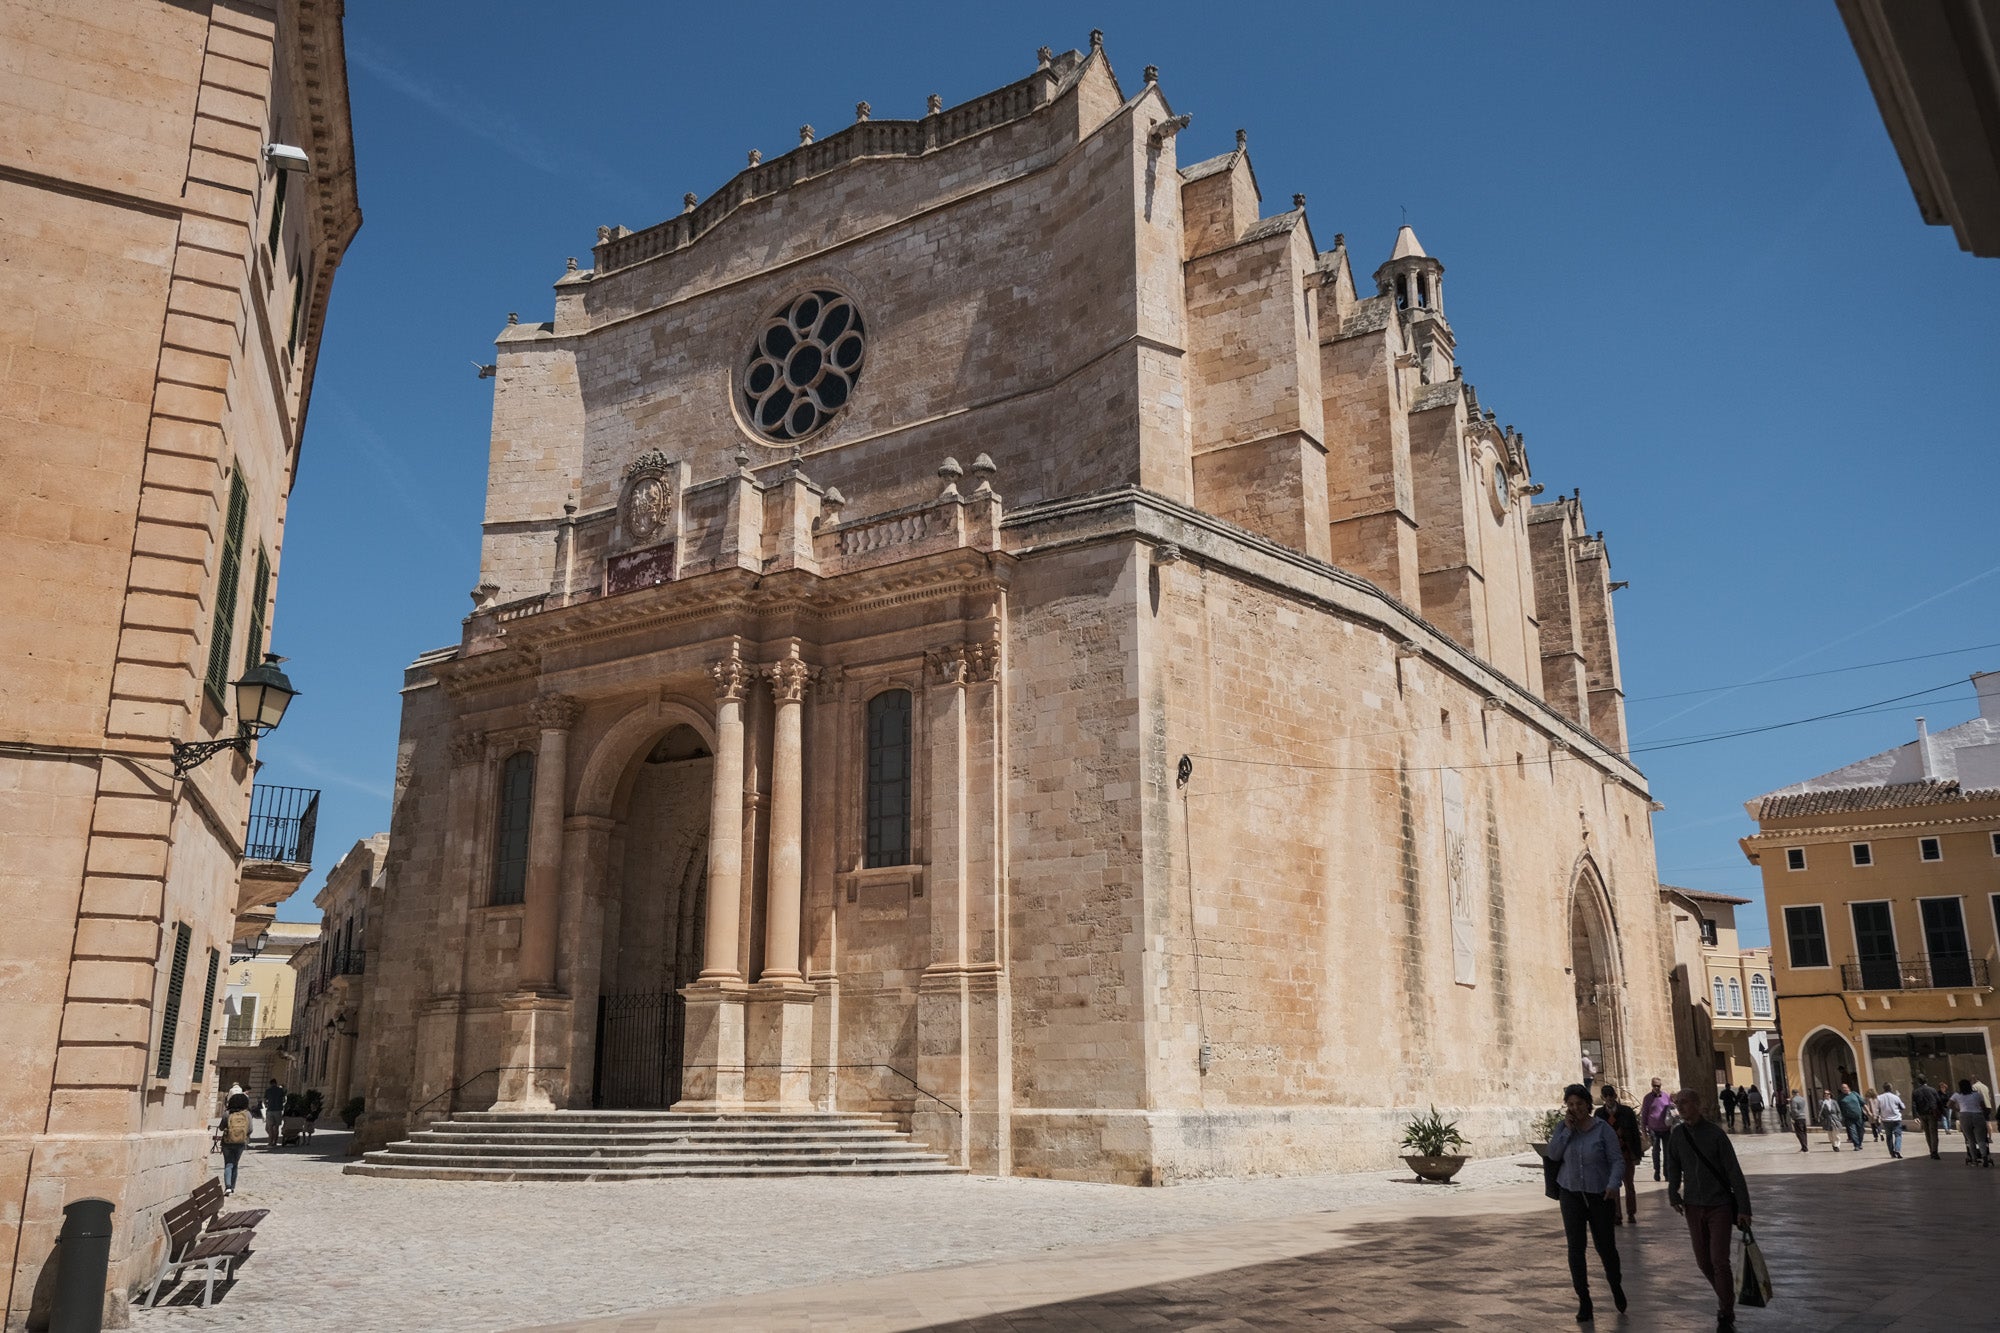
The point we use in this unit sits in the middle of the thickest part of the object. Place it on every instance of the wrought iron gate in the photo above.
(638, 1050)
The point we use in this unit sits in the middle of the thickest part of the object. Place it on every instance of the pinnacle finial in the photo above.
(805, 134)
(1043, 55)
(603, 235)
(862, 111)
(756, 156)
(688, 201)
(513, 318)
(1298, 201)
(1242, 140)
(571, 266)
(1097, 39)
(933, 104)
(1152, 74)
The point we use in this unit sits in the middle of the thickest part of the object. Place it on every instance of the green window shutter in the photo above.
(260, 595)
(226, 588)
(176, 980)
(277, 213)
(298, 307)
(207, 1017)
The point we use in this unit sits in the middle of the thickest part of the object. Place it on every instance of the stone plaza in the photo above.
(1855, 1242)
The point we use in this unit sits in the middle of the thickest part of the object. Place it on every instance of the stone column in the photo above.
(783, 896)
(943, 1041)
(555, 714)
(713, 1043)
(725, 823)
(778, 1034)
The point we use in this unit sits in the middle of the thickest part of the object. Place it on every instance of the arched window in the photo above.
(510, 849)
(888, 779)
(1735, 997)
(1721, 1000)
(1760, 995)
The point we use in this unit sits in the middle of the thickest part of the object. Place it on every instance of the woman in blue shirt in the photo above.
(1593, 1167)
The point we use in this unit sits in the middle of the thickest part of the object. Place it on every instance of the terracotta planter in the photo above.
(1439, 1169)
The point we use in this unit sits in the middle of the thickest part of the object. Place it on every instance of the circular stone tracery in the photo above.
(803, 366)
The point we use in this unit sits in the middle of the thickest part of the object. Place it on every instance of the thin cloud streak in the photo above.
(483, 122)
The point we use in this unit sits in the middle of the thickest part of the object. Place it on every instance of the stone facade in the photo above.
(159, 318)
(331, 975)
(1106, 728)
(257, 1004)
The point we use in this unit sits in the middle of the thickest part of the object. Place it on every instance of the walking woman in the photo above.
(1971, 1108)
(1593, 1167)
(235, 1137)
(1829, 1118)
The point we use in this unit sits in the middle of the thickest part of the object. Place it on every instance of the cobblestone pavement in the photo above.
(1855, 1242)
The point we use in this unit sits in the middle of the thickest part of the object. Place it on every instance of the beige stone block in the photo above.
(201, 335)
(217, 268)
(223, 136)
(221, 71)
(208, 300)
(168, 612)
(195, 509)
(171, 541)
(95, 1022)
(122, 897)
(153, 574)
(189, 439)
(145, 857)
(145, 816)
(248, 47)
(112, 980)
(225, 104)
(188, 403)
(140, 720)
(100, 1066)
(224, 235)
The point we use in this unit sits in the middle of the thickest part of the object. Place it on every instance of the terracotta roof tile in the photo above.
(1841, 800)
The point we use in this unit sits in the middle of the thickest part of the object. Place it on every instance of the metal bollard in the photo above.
(83, 1257)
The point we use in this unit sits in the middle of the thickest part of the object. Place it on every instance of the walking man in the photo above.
(1589, 1074)
(1924, 1101)
(1889, 1111)
(1852, 1114)
(1801, 1122)
(1728, 1099)
(1705, 1184)
(1592, 1167)
(1626, 1126)
(274, 1112)
(1653, 1119)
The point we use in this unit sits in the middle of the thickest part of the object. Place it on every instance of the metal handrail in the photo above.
(1940, 972)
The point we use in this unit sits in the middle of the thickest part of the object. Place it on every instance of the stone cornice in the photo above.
(1129, 513)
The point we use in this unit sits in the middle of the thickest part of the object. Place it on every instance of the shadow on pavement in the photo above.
(1895, 1245)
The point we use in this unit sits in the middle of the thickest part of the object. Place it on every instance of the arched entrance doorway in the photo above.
(1600, 1020)
(1827, 1061)
(653, 921)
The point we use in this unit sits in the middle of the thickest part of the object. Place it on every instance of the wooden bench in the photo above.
(200, 1237)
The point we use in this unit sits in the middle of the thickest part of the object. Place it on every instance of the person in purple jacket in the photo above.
(1592, 1169)
(1653, 1117)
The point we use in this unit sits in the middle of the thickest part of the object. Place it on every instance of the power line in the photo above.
(1808, 675)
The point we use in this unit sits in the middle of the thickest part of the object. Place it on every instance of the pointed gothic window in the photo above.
(510, 852)
(888, 810)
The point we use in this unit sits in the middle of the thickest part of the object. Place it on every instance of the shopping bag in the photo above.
(1755, 1288)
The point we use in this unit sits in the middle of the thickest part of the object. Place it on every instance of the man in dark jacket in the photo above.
(1852, 1114)
(1924, 1101)
(1728, 1099)
(1626, 1126)
(274, 1112)
(1705, 1184)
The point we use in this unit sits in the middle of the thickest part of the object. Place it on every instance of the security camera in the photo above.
(284, 157)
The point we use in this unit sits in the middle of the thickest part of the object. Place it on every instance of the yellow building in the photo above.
(1882, 880)
(1735, 989)
(257, 1006)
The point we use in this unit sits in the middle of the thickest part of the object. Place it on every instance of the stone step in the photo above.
(637, 1145)
(518, 1172)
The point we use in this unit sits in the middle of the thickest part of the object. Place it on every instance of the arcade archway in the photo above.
(1594, 973)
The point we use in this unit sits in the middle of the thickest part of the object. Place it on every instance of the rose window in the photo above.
(803, 368)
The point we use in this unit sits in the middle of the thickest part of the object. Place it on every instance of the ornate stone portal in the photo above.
(1250, 776)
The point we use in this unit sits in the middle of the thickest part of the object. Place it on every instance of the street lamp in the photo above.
(261, 699)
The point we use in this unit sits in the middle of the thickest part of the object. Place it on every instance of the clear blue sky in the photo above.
(1681, 258)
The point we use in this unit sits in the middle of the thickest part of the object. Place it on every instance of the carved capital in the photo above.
(468, 747)
(732, 676)
(952, 664)
(556, 712)
(983, 659)
(789, 679)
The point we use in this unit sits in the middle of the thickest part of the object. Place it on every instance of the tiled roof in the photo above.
(1703, 895)
(1841, 800)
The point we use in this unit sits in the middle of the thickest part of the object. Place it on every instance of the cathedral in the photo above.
(985, 623)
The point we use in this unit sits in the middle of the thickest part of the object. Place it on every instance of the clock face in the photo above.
(1499, 490)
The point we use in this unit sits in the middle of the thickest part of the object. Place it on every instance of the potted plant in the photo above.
(295, 1119)
(1543, 1129)
(1431, 1140)
(352, 1111)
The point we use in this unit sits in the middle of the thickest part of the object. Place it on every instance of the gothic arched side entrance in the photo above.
(653, 922)
(1827, 1061)
(1600, 1019)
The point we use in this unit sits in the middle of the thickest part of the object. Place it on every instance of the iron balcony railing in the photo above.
(282, 823)
(1946, 972)
(345, 963)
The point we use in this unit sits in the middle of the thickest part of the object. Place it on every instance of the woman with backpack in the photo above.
(235, 1137)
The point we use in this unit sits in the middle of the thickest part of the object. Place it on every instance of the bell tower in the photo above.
(1414, 283)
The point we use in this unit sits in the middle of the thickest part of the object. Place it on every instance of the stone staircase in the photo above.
(647, 1145)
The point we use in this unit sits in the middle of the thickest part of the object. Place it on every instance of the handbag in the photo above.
(1755, 1288)
(1551, 1167)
